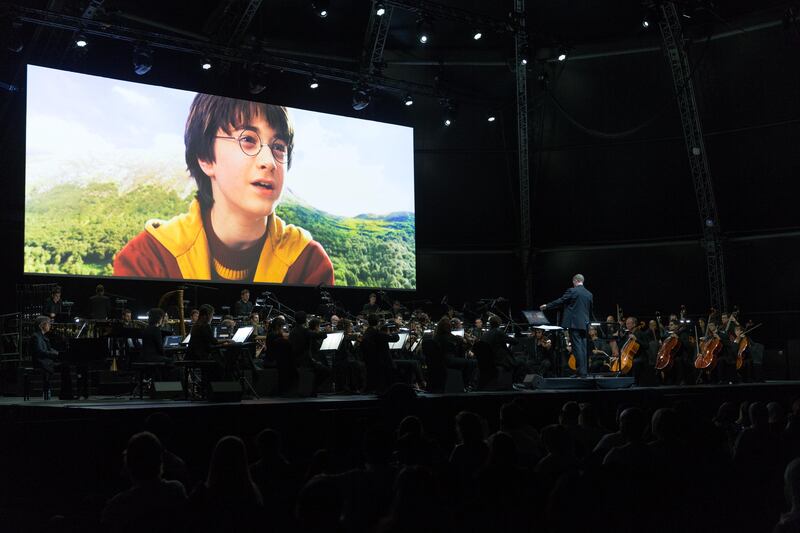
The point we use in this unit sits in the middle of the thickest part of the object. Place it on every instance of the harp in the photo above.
(178, 296)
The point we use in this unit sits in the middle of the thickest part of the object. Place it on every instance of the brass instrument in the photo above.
(181, 320)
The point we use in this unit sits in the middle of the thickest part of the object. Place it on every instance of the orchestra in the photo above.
(382, 344)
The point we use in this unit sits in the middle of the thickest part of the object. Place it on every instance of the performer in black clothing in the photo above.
(683, 357)
(371, 306)
(377, 358)
(302, 340)
(42, 354)
(153, 339)
(202, 342)
(577, 305)
(452, 348)
(499, 341)
(99, 304)
(243, 306)
(52, 306)
(599, 351)
(348, 369)
(278, 354)
(641, 361)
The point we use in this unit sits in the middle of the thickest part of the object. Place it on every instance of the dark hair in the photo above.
(206, 314)
(208, 114)
(143, 456)
(55, 290)
(277, 323)
(228, 474)
(268, 441)
(126, 311)
(494, 322)
(244, 291)
(99, 289)
(443, 327)
(194, 311)
(300, 317)
(469, 426)
(154, 316)
(313, 323)
(372, 320)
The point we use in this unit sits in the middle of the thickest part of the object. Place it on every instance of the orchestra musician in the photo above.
(243, 306)
(497, 339)
(477, 328)
(746, 371)
(725, 371)
(543, 352)
(453, 350)
(194, 315)
(371, 306)
(303, 340)
(153, 345)
(99, 304)
(683, 357)
(349, 370)
(599, 349)
(52, 306)
(255, 321)
(380, 366)
(577, 305)
(632, 331)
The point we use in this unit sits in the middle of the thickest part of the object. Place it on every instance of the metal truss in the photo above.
(673, 41)
(434, 10)
(375, 40)
(520, 53)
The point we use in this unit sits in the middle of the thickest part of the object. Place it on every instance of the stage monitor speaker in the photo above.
(225, 391)
(532, 381)
(166, 390)
(454, 381)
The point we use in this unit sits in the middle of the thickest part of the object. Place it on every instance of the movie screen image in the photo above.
(139, 181)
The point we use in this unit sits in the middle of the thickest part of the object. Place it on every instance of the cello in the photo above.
(667, 351)
(743, 344)
(709, 348)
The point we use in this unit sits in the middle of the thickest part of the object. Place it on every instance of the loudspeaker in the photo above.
(532, 381)
(454, 381)
(166, 390)
(225, 391)
(266, 382)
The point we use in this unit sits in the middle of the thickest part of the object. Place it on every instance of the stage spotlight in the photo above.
(361, 98)
(142, 59)
(206, 64)
(408, 101)
(491, 117)
(313, 83)
(424, 31)
(523, 55)
(562, 55)
(80, 41)
(476, 35)
(447, 121)
(380, 9)
(257, 82)
(320, 8)
(645, 23)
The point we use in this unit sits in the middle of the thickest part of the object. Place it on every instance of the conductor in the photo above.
(577, 304)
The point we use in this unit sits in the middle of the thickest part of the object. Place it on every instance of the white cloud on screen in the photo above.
(133, 97)
(54, 135)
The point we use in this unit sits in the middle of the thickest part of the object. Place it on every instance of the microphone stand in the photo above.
(281, 307)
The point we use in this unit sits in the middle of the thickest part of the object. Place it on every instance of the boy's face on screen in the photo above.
(244, 184)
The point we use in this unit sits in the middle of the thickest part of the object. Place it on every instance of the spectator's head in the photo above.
(300, 318)
(410, 425)
(470, 427)
(143, 457)
(414, 495)
(557, 440)
(268, 442)
(502, 450)
(378, 446)
(154, 316)
(632, 423)
(228, 473)
(570, 412)
(512, 416)
(372, 320)
(665, 424)
(791, 484)
(726, 414)
(776, 414)
(319, 505)
(759, 415)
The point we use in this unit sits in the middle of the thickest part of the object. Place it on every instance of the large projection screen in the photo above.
(286, 195)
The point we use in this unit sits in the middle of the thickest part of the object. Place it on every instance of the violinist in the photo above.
(380, 366)
(452, 348)
(349, 369)
(543, 352)
(255, 321)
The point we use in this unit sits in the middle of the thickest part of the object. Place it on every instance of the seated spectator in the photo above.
(471, 452)
(275, 478)
(319, 507)
(228, 500)
(416, 504)
(413, 447)
(560, 456)
(160, 424)
(152, 503)
(790, 521)
(634, 454)
(591, 426)
(526, 439)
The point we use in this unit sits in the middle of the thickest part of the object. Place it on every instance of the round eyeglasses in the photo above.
(251, 145)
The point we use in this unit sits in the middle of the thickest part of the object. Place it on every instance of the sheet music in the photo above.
(332, 341)
(399, 344)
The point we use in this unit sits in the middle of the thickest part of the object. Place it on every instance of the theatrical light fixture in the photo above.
(491, 117)
(447, 121)
(476, 35)
(361, 97)
(408, 101)
(142, 59)
(380, 9)
(257, 82)
(523, 55)
(424, 30)
(562, 55)
(206, 64)
(645, 23)
(321, 8)
(80, 41)
(313, 83)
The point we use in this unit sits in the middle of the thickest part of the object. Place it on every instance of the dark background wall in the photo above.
(620, 209)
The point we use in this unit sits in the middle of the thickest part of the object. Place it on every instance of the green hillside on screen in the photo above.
(77, 229)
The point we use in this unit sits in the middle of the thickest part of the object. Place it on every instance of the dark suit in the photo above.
(378, 359)
(242, 308)
(99, 307)
(42, 353)
(577, 305)
(304, 344)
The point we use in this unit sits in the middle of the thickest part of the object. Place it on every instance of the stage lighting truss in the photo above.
(424, 30)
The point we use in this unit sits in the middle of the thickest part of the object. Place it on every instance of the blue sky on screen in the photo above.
(342, 165)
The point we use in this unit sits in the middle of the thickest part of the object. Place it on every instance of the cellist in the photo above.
(742, 343)
(725, 369)
(632, 331)
(682, 358)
